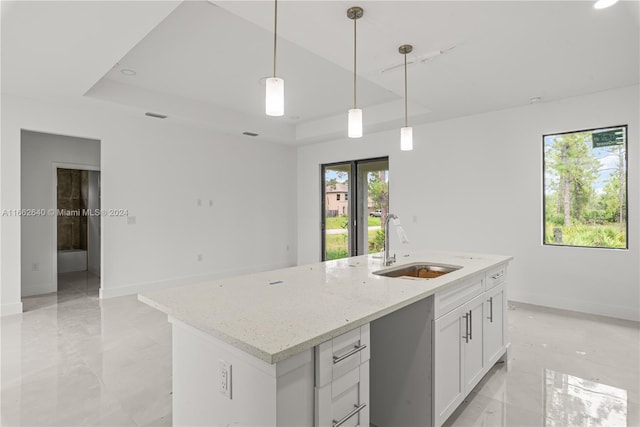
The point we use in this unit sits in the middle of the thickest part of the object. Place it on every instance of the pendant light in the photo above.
(355, 114)
(274, 100)
(406, 133)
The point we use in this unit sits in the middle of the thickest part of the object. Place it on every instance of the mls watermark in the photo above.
(65, 212)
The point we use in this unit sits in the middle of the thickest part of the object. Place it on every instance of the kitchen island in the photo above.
(321, 344)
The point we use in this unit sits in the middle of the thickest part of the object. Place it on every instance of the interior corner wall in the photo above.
(474, 184)
(39, 153)
(185, 191)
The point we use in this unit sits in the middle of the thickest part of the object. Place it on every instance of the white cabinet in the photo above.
(469, 336)
(495, 305)
(447, 364)
(473, 357)
(342, 380)
(458, 356)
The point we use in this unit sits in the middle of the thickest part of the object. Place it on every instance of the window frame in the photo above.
(626, 195)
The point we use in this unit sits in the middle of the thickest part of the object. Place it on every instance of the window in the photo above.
(353, 226)
(585, 188)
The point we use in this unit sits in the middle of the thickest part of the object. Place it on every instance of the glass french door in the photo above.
(355, 202)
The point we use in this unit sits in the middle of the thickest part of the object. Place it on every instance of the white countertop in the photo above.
(311, 303)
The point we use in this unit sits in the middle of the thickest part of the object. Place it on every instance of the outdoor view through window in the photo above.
(585, 188)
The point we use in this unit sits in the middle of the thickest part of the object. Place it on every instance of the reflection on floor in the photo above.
(74, 285)
(573, 401)
(90, 362)
(567, 369)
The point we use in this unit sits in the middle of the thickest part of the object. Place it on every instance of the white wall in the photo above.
(40, 151)
(157, 170)
(474, 184)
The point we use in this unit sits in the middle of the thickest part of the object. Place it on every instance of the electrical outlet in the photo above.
(35, 266)
(210, 203)
(225, 378)
(200, 257)
(199, 202)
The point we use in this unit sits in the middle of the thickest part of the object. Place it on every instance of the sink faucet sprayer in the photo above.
(388, 259)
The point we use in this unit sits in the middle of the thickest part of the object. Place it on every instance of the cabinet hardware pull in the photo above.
(355, 349)
(470, 325)
(498, 275)
(354, 411)
(466, 324)
(490, 301)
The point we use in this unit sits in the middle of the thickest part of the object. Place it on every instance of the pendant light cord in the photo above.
(355, 39)
(406, 121)
(275, 36)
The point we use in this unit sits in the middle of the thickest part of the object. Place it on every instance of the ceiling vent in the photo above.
(156, 115)
(250, 133)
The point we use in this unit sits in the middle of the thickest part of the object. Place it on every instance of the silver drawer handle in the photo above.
(497, 275)
(355, 410)
(356, 349)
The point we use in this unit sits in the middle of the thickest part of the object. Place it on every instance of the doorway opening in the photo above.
(355, 203)
(61, 245)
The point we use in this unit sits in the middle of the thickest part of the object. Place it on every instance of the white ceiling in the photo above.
(203, 62)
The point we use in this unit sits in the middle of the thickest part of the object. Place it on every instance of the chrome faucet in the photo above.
(388, 259)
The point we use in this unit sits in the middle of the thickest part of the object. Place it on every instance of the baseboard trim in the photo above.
(10, 309)
(118, 291)
(588, 307)
(29, 290)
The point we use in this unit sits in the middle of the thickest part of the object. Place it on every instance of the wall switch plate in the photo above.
(225, 378)
(200, 257)
(199, 202)
(35, 266)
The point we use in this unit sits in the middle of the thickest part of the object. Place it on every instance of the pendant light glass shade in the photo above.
(406, 138)
(355, 123)
(274, 105)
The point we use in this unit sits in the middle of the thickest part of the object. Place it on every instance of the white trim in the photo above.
(54, 223)
(588, 307)
(10, 309)
(118, 291)
(38, 289)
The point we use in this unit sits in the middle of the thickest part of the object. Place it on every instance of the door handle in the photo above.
(490, 301)
(466, 324)
(470, 324)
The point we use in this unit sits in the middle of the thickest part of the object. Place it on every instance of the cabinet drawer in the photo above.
(345, 401)
(456, 295)
(496, 276)
(341, 354)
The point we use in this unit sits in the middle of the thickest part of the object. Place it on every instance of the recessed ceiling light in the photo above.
(603, 4)
(128, 72)
(250, 133)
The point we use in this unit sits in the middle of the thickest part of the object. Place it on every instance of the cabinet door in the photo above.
(473, 369)
(447, 364)
(494, 328)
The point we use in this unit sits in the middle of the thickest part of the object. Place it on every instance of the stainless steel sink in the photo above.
(418, 270)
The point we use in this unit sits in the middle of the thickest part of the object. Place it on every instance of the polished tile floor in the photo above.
(74, 360)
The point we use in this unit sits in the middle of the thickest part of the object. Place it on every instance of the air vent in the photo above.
(250, 133)
(156, 115)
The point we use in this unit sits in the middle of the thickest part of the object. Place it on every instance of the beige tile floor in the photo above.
(74, 360)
